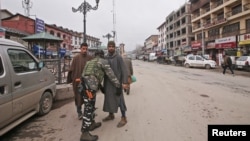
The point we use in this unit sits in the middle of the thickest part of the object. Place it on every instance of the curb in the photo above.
(63, 92)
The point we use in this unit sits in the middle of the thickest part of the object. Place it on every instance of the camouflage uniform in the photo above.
(93, 75)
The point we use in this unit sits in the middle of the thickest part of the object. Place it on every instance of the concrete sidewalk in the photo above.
(64, 91)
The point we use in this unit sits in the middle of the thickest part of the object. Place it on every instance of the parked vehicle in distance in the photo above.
(199, 61)
(26, 87)
(152, 57)
(243, 62)
(178, 59)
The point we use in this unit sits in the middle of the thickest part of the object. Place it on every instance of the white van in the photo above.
(152, 57)
(26, 86)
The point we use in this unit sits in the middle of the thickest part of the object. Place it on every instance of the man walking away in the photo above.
(227, 64)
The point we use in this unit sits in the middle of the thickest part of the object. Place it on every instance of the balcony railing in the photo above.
(214, 22)
(234, 12)
(212, 37)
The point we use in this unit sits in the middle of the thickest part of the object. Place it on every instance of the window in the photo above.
(231, 28)
(22, 61)
(248, 25)
(191, 58)
(1, 67)
(214, 32)
(237, 9)
(198, 58)
(1, 73)
(220, 16)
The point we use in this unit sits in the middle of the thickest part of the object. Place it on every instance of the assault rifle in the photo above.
(83, 88)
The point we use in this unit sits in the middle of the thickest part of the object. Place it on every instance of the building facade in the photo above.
(18, 26)
(179, 31)
(162, 36)
(220, 26)
(151, 44)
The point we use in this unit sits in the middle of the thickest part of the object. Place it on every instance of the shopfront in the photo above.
(226, 45)
(244, 44)
(212, 51)
(196, 47)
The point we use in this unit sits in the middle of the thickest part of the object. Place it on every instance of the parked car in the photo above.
(26, 87)
(199, 61)
(243, 63)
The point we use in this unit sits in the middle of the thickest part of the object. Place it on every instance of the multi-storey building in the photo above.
(18, 26)
(162, 36)
(179, 31)
(151, 44)
(220, 26)
(62, 33)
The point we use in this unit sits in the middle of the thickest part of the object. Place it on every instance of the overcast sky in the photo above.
(136, 20)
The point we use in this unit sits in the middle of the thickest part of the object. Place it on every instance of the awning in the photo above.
(245, 42)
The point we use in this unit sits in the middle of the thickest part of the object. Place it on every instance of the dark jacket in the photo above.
(76, 68)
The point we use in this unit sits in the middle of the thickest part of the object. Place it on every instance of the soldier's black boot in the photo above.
(94, 125)
(86, 136)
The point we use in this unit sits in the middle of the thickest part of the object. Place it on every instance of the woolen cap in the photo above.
(112, 43)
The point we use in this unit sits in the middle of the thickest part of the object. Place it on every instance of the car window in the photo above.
(1, 67)
(22, 61)
(191, 57)
(242, 58)
(199, 58)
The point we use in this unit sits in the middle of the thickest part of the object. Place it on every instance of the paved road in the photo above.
(166, 103)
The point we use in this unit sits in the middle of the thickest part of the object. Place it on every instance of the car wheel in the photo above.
(46, 102)
(207, 66)
(187, 65)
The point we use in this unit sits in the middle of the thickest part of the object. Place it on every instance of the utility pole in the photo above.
(114, 22)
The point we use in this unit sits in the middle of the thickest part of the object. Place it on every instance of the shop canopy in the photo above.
(43, 38)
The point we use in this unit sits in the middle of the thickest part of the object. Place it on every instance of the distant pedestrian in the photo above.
(227, 64)
(129, 65)
(75, 71)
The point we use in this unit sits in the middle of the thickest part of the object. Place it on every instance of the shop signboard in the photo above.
(196, 45)
(227, 42)
(40, 26)
(244, 39)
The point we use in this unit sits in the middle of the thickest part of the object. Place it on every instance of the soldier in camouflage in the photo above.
(92, 78)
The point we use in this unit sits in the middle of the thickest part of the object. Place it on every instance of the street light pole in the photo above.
(84, 8)
(107, 36)
(202, 41)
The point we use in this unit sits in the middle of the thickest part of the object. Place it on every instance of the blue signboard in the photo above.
(40, 26)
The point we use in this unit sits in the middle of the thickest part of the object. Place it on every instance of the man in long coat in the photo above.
(113, 96)
(75, 71)
(130, 71)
